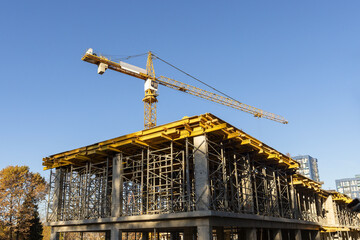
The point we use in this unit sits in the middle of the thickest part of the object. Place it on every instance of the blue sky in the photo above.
(299, 59)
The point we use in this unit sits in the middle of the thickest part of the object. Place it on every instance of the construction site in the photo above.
(195, 178)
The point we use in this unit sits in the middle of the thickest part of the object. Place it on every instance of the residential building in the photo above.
(308, 167)
(349, 186)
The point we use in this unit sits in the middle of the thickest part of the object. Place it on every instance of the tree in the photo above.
(20, 192)
(36, 227)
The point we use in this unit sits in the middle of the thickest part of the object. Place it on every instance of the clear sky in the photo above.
(298, 59)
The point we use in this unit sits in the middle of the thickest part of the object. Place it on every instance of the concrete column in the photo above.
(115, 234)
(297, 234)
(247, 189)
(188, 234)
(58, 192)
(293, 195)
(277, 235)
(204, 232)
(331, 215)
(251, 234)
(202, 189)
(116, 186)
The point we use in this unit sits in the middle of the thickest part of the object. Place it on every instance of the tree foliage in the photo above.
(20, 192)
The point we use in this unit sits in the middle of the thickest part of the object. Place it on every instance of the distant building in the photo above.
(308, 167)
(349, 186)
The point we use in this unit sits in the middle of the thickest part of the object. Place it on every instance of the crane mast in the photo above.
(150, 99)
(151, 86)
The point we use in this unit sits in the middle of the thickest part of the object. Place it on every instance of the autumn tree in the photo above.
(20, 193)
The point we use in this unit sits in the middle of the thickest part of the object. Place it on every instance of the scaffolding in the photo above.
(201, 168)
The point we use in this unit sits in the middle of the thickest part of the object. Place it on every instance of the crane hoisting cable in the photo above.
(152, 82)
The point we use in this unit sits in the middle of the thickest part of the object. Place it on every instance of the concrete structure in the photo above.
(196, 178)
(308, 167)
(349, 186)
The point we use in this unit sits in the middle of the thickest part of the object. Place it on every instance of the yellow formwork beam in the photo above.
(175, 131)
(334, 229)
(336, 196)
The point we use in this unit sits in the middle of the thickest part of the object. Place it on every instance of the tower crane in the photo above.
(152, 82)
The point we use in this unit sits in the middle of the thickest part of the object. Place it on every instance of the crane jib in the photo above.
(141, 73)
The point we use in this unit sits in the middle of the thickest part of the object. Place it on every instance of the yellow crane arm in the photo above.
(171, 83)
(183, 87)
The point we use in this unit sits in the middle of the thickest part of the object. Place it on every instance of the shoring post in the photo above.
(187, 172)
(142, 182)
(171, 176)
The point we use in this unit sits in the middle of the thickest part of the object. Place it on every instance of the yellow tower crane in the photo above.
(152, 82)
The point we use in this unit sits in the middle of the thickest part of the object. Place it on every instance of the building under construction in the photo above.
(196, 178)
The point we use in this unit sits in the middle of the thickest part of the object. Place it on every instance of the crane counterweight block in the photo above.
(150, 84)
(102, 68)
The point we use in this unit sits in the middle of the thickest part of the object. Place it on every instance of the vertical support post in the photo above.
(277, 235)
(237, 190)
(147, 180)
(142, 182)
(88, 190)
(104, 210)
(115, 234)
(280, 195)
(297, 234)
(204, 232)
(116, 186)
(202, 188)
(187, 172)
(331, 213)
(171, 176)
(275, 195)
(315, 235)
(49, 200)
(224, 175)
(54, 235)
(254, 174)
(293, 199)
(58, 192)
(251, 233)
(247, 186)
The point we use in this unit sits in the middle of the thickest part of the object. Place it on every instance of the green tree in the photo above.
(36, 227)
(20, 192)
